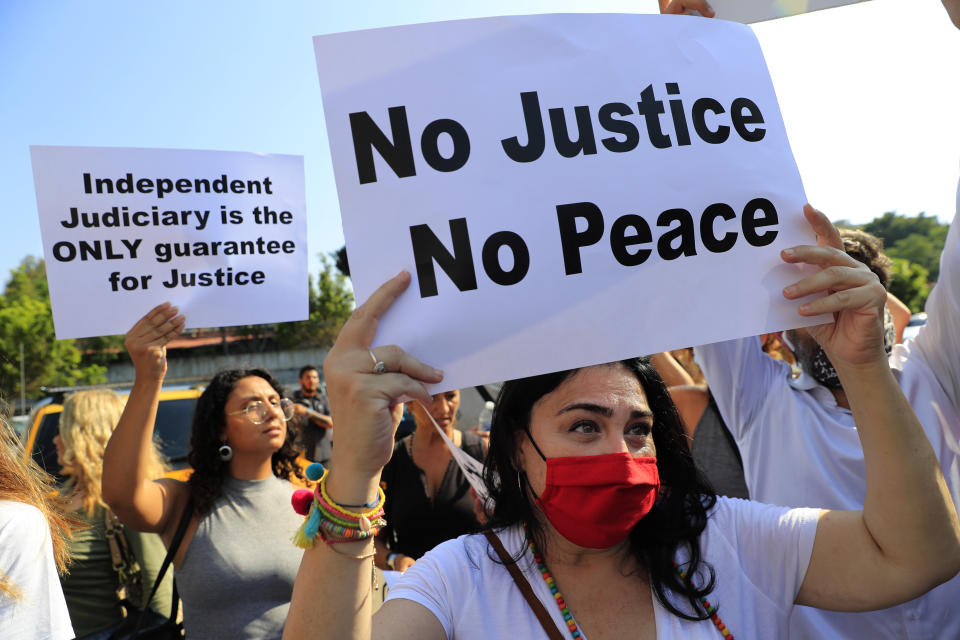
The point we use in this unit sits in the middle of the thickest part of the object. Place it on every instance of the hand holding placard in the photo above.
(146, 341)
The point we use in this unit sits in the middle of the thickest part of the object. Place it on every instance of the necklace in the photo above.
(709, 608)
(552, 584)
(568, 616)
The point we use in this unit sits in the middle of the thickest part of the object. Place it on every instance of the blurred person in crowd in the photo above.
(714, 451)
(34, 547)
(234, 573)
(315, 424)
(86, 422)
(428, 498)
(598, 515)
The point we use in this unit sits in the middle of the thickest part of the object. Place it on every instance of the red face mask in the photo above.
(594, 501)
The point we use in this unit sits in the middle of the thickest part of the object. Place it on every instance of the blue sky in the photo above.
(869, 92)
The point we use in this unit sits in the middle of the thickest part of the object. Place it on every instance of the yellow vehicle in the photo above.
(172, 428)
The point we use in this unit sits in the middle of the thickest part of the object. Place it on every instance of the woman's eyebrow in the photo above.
(258, 397)
(606, 412)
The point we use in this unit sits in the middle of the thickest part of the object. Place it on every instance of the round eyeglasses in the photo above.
(258, 412)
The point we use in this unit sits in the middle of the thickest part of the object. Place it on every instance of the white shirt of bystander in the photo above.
(800, 449)
(38, 611)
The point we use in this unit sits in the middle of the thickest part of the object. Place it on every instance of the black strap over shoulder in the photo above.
(171, 552)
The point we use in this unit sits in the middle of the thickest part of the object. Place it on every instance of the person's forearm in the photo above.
(332, 593)
(670, 370)
(128, 453)
(907, 509)
(900, 313)
(321, 421)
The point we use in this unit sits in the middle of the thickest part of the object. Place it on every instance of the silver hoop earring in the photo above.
(225, 452)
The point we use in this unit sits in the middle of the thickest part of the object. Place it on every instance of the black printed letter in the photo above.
(367, 135)
(427, 249)
(570, 239)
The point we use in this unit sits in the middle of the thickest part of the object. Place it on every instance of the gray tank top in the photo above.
(715, 454)
(237, 575)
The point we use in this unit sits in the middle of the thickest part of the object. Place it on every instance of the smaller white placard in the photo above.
(748, 11)
(220, 234)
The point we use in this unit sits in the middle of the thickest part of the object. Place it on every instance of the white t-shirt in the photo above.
(760, 554)
(800, 449)
(26, 558)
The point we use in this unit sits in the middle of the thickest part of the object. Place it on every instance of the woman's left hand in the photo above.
(855, 296)
(366, 404)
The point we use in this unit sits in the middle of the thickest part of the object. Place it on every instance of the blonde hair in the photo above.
(22, 480)
(86, 423)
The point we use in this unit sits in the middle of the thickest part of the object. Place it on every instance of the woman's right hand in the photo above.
(685, 6)
(147, 340)
(367, 406)
(402, 562)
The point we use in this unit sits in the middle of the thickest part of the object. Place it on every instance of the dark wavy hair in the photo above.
(868, 249)
(209, 421)
(678, 517)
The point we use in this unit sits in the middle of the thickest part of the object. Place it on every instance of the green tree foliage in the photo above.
(922, 251)
(910, 283)
(25, 318)
(918, 239)
(915, 244)
(331, 303)
(28, 280)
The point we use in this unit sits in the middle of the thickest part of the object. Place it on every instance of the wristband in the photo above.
(391, 558)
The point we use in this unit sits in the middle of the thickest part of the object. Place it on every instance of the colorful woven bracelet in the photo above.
(351, 532)
(332, 512)
(330, 520)
(342, 511)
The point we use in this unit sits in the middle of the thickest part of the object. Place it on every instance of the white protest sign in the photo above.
(758, 10)
(565, 189)
(220, 234)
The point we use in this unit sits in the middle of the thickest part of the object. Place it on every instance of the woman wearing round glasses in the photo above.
(233, 577)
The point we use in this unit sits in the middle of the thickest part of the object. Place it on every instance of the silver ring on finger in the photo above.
(379, 366)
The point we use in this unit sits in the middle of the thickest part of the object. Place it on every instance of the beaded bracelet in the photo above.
(331, 511)
(331, 520)
(340, 510)
(350, 532)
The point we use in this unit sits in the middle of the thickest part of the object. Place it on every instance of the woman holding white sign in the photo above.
(608, 531)
(225, 525)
